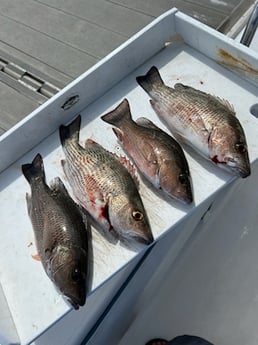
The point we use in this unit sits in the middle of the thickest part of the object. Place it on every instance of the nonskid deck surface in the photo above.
(46, 44)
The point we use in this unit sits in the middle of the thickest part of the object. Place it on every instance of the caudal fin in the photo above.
(151, 79)
(34, 170)
(71, 131)
(119, 115)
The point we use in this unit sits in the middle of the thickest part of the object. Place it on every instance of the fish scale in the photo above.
(205, 122)
(157, 155)
(60, 233)
(103, 186)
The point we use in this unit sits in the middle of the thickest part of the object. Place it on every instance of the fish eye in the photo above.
(241, 147)
(137, 215)
(183, 178)
(76, 275)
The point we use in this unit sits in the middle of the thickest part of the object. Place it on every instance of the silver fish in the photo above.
(103, 186)
(61, 236)
(207, 123)
(156, 154)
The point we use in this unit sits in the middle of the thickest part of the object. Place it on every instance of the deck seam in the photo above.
(89, 21)
(47, 35)
(37, 59)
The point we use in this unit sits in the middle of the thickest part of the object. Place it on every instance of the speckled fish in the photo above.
(156, 154)
(61, 236)
(207, 123)
(103, 186)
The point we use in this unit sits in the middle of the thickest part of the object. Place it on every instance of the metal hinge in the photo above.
(27, 79)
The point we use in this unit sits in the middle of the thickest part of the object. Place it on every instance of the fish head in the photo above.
(68, 270)
(228, 149)
(175, 181)
(129, 219)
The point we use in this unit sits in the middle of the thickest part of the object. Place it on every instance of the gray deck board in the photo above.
(102, 13)
(14, 106)
(52, 52)
(62, 38)
(32, 63)
(92, 39)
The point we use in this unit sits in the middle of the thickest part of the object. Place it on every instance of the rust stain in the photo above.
(232, 61)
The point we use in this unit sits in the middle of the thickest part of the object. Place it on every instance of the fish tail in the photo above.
(119, 115)
(150, 79)
(34, 170)
(71, 131)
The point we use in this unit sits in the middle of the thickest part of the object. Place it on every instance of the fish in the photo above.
(207, 123)
(157, 155)
(104, 187)
(60, 233)
(180, 340)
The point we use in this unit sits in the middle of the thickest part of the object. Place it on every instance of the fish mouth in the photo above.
(185, 199)
(232, 165)
(76, 302)
(143, 240)
(241, 171)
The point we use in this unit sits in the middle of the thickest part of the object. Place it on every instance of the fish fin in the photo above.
(71, 131)
(34, 170)
(98, 203)
(118, 133)
(179, 86)
(143, 121)
(29, 203)
(48, 242)
(65, 168)
(119, 115)
(157, 106)
(152, 77)
(222, 101)
(130, 167)
(226, 104)
(182, 87)
(91, 142)
(36, 257)
(56, 185)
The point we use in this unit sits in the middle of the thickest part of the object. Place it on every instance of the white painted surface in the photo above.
(254, 43)
(210, 290)
(25, 284)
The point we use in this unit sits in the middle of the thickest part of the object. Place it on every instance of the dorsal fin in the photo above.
(130, 167)
(226, 104)
(143, 121)
(222, 101)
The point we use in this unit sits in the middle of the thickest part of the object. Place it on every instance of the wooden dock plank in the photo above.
(124, 21)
